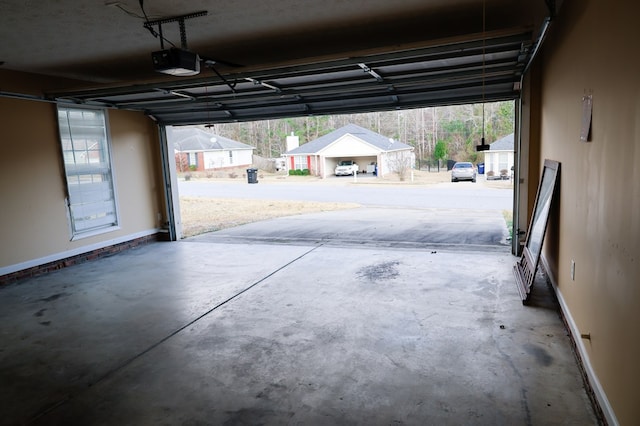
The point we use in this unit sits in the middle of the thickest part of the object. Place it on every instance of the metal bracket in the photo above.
(180, 20)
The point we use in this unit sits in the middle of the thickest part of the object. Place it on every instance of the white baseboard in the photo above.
(75, 252)
(600, 395)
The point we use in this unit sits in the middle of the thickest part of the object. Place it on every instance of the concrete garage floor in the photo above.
(199, 332)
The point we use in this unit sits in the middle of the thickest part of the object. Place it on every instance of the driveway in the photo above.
(435, 229)
(445, 216)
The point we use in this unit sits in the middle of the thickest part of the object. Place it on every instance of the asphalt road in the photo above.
(450, 216)
(460, 195)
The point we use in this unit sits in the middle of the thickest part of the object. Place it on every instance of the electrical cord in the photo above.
(146, 18)
(147, 25)
(128, 12)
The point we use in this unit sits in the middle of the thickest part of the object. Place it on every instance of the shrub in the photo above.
(297, 172)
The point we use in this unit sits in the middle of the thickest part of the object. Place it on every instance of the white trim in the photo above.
(335, 141)
(170, 181)
(601, 396)
(80, 250)
(112, 169)
(94, 232)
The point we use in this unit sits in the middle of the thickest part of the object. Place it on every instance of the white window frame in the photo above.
(86, 155)
(300, 162)
(193, 159)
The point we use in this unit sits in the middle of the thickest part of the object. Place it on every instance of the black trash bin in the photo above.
(481, 168)
(252, 175)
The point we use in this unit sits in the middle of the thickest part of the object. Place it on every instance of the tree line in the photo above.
(436, 133)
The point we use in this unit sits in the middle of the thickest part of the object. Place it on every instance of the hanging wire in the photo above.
(148, 26)
(483, 62)
(206, 94)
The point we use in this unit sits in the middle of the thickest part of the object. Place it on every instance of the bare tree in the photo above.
(401, 162)
(460, 127)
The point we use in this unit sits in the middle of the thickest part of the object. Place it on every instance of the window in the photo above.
(230, 157)
(300, 162)
(503, 161)
(85, 152)
(193, 159)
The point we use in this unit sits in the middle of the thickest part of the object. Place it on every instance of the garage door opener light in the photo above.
(174, 61)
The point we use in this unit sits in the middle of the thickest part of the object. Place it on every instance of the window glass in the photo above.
(503, 160)
(85, 153)
(300, 162)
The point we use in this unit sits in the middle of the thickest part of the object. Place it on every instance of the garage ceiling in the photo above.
(279, 58)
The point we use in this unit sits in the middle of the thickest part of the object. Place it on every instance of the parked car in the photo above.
(346, 167)
(463, 170)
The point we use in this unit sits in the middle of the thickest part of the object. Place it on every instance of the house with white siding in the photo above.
(499, 158)
(372, 152)
(198, 150)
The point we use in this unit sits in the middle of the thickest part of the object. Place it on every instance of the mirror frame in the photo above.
(525, 268)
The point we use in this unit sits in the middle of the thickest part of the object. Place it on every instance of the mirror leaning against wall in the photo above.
(525, 268)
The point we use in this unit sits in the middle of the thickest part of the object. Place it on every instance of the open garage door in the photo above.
(481, 67)
(477, 68)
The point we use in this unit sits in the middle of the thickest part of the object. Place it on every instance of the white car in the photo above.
(463, 170)
(346, 168)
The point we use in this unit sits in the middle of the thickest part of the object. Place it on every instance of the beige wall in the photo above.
(593, 48)
(33, 217)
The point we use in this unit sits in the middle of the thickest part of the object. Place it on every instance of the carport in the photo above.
(107, 341)
(362, 161)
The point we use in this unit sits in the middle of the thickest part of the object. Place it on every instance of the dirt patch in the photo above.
(200, 215)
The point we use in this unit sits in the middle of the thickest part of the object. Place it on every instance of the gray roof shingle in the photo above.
(194, 139)
(503, 144)
(381, 142)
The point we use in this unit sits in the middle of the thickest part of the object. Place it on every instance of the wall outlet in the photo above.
(573, 270)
